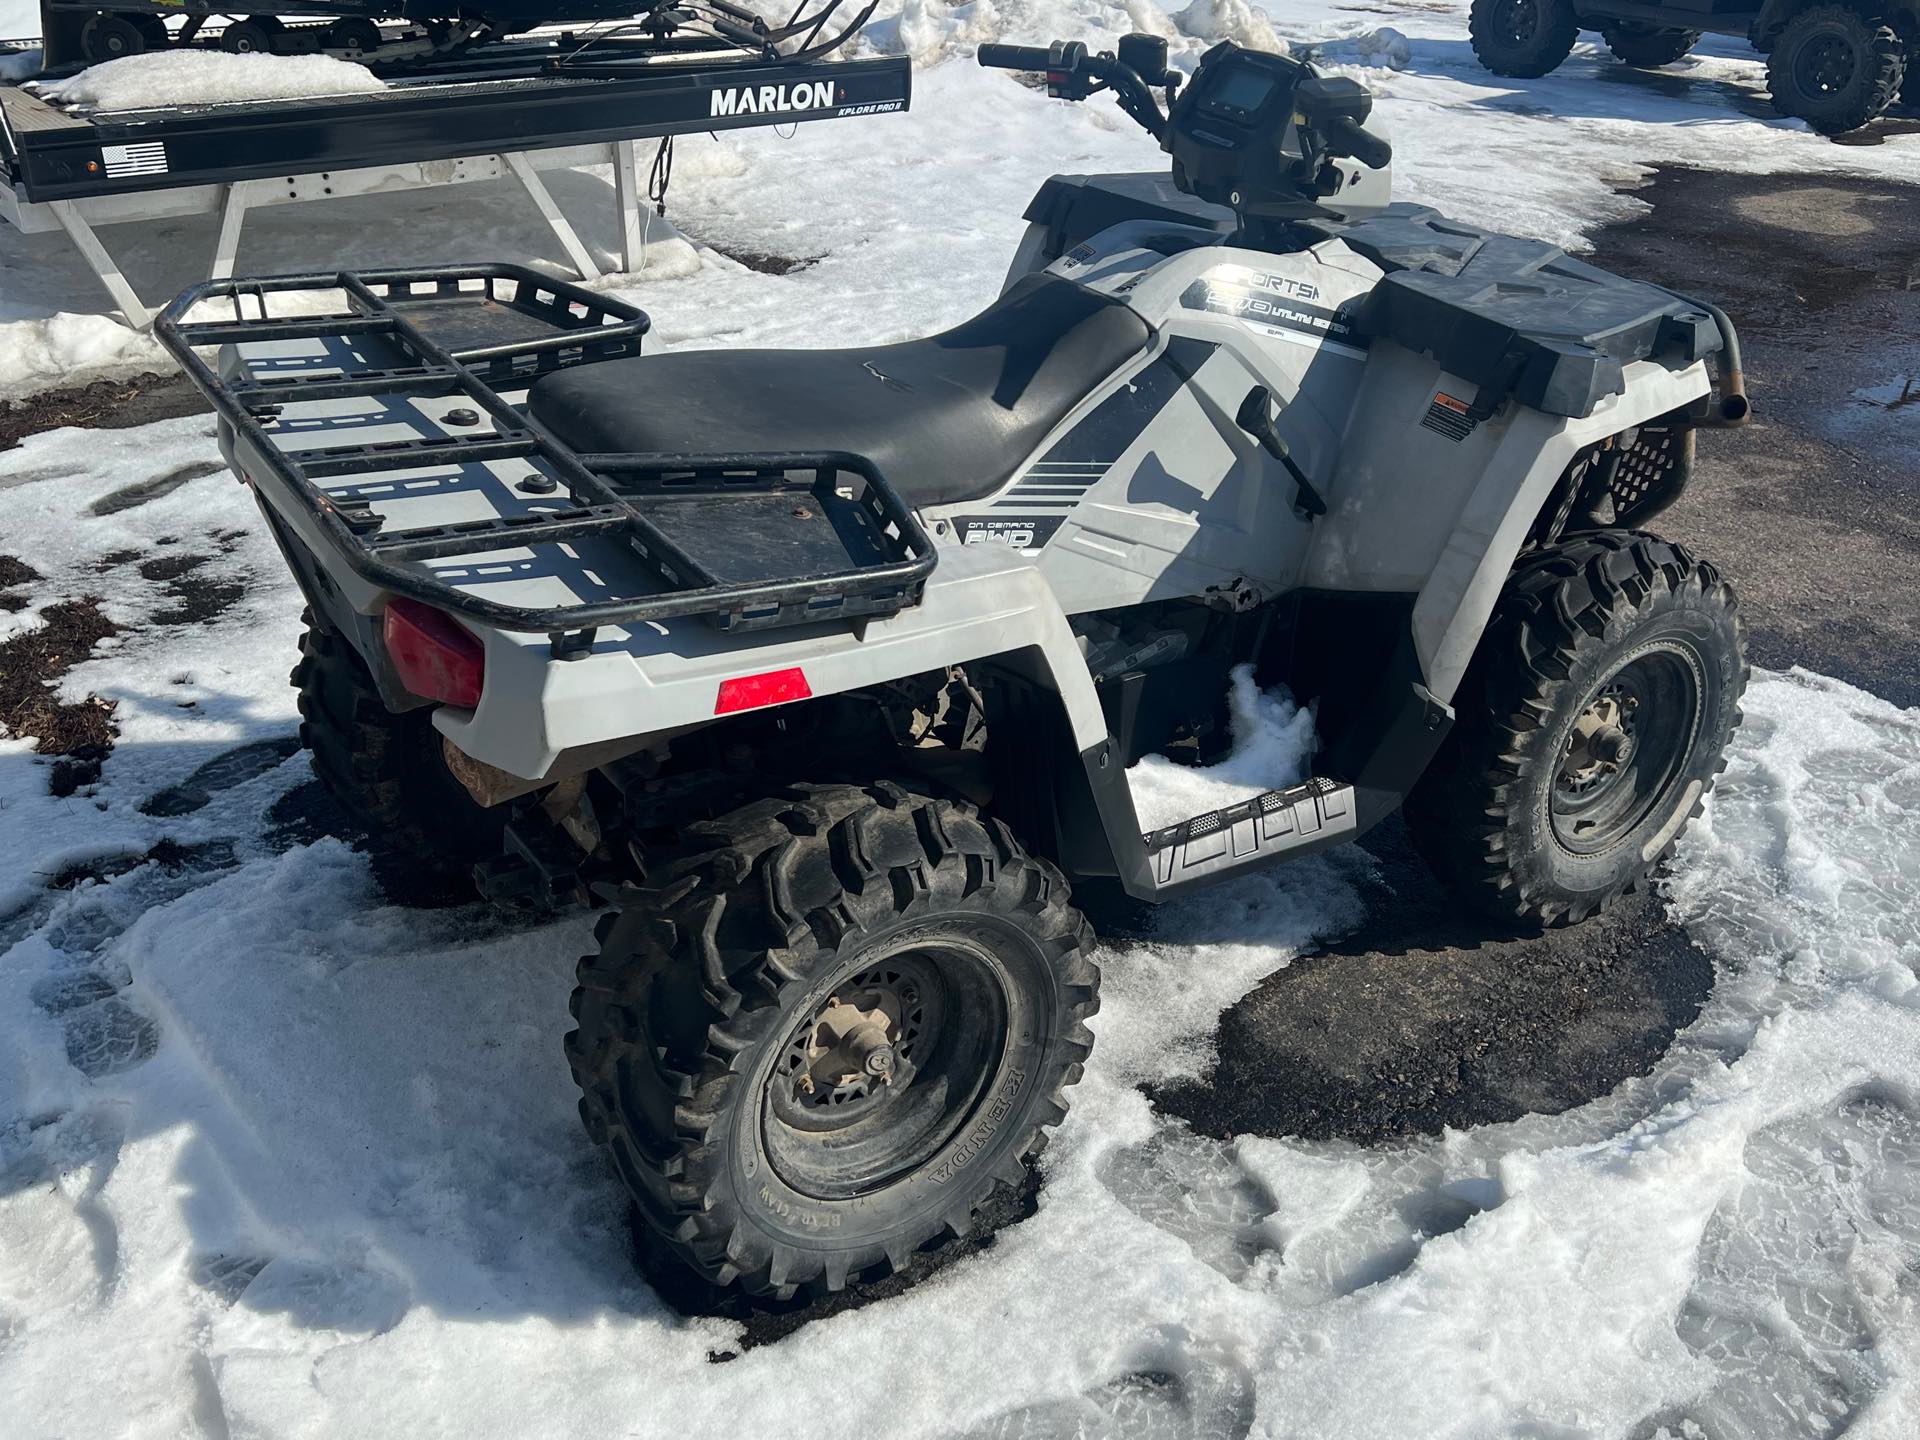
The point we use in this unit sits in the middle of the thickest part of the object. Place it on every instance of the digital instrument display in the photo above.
(1243, 88)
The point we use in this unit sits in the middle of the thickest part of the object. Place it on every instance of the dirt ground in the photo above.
(103, 405)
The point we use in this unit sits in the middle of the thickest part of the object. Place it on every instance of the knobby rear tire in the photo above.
(725, 945)
(388, 771)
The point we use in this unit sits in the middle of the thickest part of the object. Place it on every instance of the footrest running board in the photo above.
(1253, 833)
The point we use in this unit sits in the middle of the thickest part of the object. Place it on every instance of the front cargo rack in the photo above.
(743, 541)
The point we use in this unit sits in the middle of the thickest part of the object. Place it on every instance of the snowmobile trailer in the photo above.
(819, 674)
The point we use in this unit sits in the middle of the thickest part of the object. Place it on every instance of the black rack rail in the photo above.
(48, 153)
(722, 535)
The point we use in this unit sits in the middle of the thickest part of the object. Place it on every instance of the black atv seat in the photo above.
(945, 419)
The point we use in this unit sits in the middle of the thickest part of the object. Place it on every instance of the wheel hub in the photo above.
(1518, 20)
(1602, 740)
(1827, 65)
(861, 1040)
(884, 1067)
(1627, 750)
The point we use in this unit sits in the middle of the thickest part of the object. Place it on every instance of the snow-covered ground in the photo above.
(277, 1159)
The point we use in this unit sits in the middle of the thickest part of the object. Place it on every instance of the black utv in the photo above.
(1834, 64)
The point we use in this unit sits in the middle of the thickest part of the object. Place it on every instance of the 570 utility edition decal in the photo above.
(1275, 303)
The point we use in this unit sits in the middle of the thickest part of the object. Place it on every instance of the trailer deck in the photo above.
(72, 169)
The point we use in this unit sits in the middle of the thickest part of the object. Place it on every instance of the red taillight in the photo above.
(436, 657)
(750, 692)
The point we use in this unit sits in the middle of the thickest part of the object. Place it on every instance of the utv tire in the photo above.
(1592, 723)
(1647, 47)
(111, 37)
(718, 1066)
(388, 771)
(1835, 69)
(1522, 38)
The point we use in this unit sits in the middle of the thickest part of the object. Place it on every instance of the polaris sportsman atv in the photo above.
(820, 672)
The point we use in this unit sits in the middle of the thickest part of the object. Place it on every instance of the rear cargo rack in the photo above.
(743, 541)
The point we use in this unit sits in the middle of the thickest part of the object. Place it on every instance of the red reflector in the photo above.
(750, 692)
(437, 657)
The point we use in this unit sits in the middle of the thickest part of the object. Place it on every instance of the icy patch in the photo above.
(1895, 395)
(209, 77)
(1182, 1395)
(1273, 743)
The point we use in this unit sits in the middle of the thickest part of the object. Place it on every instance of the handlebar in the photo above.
(1349, 137)
(1023, 57)
(1073, 74)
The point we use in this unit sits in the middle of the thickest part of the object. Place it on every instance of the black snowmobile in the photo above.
(403, 32)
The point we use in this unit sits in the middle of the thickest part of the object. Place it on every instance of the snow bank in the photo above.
(1212, 21)
(1385, 46)
(207, 77)
(932, 31)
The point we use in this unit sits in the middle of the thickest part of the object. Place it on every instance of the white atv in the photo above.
(820, 672)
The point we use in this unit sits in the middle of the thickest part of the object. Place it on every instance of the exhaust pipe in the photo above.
(1734, 407)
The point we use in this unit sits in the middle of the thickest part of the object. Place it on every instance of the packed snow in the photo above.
(1272, 746)
(210, 77)
(278, 1158)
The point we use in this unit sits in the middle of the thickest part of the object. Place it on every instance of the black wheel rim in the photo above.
(108, 37)
(1517, 20)
(1627, 748)
(1825, 65)
(885, 1067)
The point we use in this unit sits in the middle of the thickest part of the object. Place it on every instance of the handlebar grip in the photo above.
(1016, 57)
(1349, 137)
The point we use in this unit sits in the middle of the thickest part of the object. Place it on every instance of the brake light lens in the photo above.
(437, 658)
(751, 692)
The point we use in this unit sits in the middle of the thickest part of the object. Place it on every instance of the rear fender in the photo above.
(982, 601)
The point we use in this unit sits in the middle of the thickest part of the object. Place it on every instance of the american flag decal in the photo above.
(147, 158)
